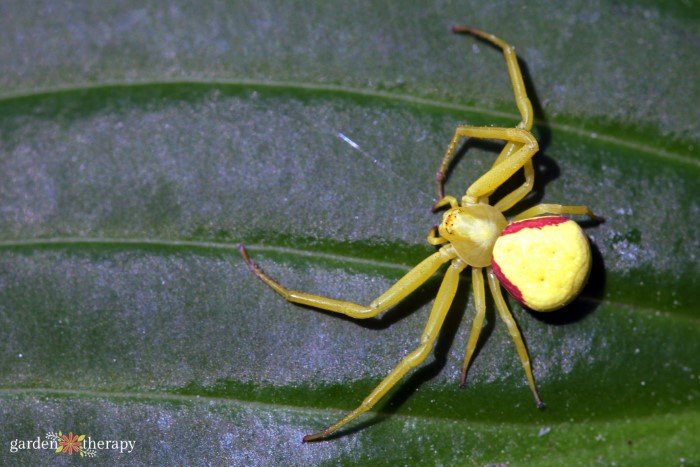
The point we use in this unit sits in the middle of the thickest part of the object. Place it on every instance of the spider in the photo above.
(542, 258)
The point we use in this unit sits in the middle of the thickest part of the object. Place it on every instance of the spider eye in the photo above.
(543, 262)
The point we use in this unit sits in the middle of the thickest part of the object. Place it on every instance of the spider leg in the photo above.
(442, 303)
(507, 166)
(480, 305)
(516, 76)
(519, 193)
(521, 101)
(434, 237)
(556, 209)
(512, 326)
(397, 292)
(444, 201)
(507, 201)
(507, 163)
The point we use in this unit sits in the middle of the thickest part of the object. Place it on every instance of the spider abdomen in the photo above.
(543, 262)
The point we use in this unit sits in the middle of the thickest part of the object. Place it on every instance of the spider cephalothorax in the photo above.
(541, 258)
(473, 230)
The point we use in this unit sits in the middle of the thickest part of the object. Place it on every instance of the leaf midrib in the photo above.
(208, 399)
(78, 242)
(587, 133)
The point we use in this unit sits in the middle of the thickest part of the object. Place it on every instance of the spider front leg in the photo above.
(525, 146)
(397, 292)
(441, 306)
(524, 107)
(519, 193)
(516, 76)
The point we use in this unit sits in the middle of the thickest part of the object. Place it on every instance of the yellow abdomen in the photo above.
(543, 262)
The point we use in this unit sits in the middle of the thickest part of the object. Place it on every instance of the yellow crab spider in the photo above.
(541, 258)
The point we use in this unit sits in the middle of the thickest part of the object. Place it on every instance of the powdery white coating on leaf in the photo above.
(640, 228)
(236, 149)
(274, 436)
(351, 352)
(64, 47)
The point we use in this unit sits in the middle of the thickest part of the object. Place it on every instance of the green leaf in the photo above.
(139, 144)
